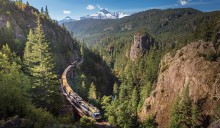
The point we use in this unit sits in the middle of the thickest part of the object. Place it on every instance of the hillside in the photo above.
(168, 25)
(191, 67)
(22, 19)
(156, 68)
(136, 54)
(33, 52)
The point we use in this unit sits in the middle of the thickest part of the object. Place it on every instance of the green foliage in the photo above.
(149, 122)
(217, 112)
(185, 113)
(162, 24)
(14, 92)
(87, 123)
(13, 85)
(134, 99)
(92, 92)
(115, 89)
(40, 117)
(210, 57)
(39, 64)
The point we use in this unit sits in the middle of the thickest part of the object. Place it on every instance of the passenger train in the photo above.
(85, 107)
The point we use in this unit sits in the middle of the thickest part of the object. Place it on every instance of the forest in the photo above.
(35, 50)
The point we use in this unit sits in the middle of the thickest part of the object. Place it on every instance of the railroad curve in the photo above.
(82, 107)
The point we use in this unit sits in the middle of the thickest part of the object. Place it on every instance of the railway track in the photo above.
(82, 107)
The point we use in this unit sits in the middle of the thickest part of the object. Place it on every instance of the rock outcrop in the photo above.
(141, 45)
(190, 66)
(215, 124)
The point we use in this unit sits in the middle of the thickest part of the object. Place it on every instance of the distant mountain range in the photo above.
(65, 20)
(104, 14)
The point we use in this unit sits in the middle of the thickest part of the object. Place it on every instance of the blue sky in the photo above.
(59, 9)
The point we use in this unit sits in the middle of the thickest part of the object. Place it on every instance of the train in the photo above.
(86, 108)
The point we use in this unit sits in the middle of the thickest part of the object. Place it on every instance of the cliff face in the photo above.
(191, 66)
(141, 45)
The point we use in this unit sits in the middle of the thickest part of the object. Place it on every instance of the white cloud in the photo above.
(90, 7)
(66, 12)
(184, 2)
(99, 7)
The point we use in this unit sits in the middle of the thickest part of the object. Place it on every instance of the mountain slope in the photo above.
(66, 19)
(164, 25)
(189, 67)
(22, 20)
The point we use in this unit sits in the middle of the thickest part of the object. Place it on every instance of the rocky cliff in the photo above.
(196, 66)
(141, 45)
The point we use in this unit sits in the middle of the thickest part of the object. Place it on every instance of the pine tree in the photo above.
(39, 62)
(196, 116)
(185, 109)
(122, 92)
(28, 55)
(46, 12)
(115, 89)
(82, 50)
(175, 116)
(181, 115)
(27, 3)
(92, 92)
(83, 88)
(13, 85)
(134, 100)
(42, 10)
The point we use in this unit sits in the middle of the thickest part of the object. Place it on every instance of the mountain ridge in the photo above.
(66, 19)
(105, 14)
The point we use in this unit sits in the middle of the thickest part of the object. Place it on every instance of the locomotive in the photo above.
(85, 107)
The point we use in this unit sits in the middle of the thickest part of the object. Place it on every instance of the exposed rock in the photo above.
(216, 124)
(14, 122)
(141, 45)
(187, 67)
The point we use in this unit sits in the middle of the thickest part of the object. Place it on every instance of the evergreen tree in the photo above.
(181, 115)
(122, 93)
(46, 12)
(27, 3)
(82, 50)
(39, 62)
(28, 54)
(175, 114)
(185, 108)
(196, 116)
(115, 89)
(92, 92)
(13, 85)
(83, 89)
(134, 100)
(42, 10)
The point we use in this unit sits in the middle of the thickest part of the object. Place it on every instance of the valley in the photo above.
(153, 68)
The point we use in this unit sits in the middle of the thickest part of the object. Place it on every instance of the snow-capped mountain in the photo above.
(104, 14)
(67, 19)
(119, 14)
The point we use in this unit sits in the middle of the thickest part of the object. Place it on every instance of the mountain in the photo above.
(28, 35)
(119, 14)
(22, 20)
(159, 23)
(104, 14)
(66, 19)
(190, 67)
(166, 63)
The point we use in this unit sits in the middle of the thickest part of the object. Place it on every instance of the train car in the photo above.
(89, 109)
(74, 98)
